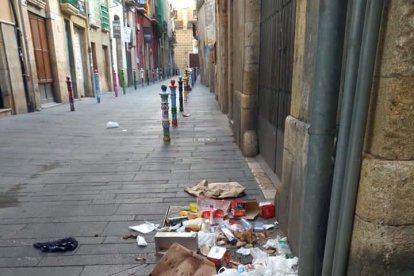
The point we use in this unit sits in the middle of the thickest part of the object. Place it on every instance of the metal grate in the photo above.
(275, 77)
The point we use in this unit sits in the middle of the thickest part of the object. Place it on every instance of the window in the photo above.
(104, 18)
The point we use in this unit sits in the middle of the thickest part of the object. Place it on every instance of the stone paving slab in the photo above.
(64, 174)
(42, 271)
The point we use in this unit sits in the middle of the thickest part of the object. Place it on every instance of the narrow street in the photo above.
(63, 174)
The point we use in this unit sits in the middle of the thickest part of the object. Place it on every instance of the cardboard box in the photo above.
(179, 260)
(163, 241)
(252, 209)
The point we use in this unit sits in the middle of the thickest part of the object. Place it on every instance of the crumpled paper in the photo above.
(216, 190)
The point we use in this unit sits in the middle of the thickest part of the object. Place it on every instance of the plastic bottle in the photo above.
(283, 247)
(246, 225)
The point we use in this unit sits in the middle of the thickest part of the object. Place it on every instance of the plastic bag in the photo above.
(112, 124)
(228, 272)
(281, 266)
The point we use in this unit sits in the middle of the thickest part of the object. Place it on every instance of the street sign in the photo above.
(127, 34)
(116, 28)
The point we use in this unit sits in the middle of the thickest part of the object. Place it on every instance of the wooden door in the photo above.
(42, 57)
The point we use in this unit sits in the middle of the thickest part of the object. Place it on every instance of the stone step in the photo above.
(4, 112)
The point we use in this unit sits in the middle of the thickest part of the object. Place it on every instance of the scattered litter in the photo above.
(140, 259)
(268, 226)
(141, 241)
(267, 209)
(130, 236)
(219, 255)
(271, 243)
(206, 242)
(279, 265)
(283, 247)
(124, 130)
(144, 228)
(220, 227)
(62, 245)
(112, 124)
(216, 190)
(243, 251)
(186, 114)
(164, 240)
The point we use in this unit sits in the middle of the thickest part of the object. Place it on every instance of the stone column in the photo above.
(229, 60)
(383, 234)
(222, 54)
(248, 98)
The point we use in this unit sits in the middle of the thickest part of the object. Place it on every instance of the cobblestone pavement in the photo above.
(64, 174)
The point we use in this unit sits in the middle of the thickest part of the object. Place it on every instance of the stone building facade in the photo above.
(382, 225)
(51, 40)
(17, 93)
(184, 18)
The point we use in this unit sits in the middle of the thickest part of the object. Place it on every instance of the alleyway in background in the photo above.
(64, 174)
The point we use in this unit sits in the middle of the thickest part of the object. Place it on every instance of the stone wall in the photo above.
(383, 234)
(183, 47)
(289, 196)
(238, 94)
(11, 82)
(55, 27)
(101, 39)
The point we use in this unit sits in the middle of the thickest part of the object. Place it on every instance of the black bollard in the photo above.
(180, 95)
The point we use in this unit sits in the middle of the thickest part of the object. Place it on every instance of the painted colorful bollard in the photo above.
(180, 91)
(97, 87)
(173, 87)
(70, 93)
(123, 82)
(115, 81)
(165, 113)
(186, 90)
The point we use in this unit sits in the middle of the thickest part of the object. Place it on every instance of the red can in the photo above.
(237, 208)
(267, 210)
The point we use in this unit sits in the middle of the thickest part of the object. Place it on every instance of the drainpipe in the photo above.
(88, 41)
(357, 134)
(29, 99)
(325, 94)
(351, 73)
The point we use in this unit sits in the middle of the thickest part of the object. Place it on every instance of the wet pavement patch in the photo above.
(9, 198)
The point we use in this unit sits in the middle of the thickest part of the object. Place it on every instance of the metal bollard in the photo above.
(97, 87)
(173, 87)
(123, 82)
(70, 93)
(135, 79)
(165, 114)
(180, 95)
(115, 80)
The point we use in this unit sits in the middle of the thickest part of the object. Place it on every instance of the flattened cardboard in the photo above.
(179, 260)
(252, 210)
